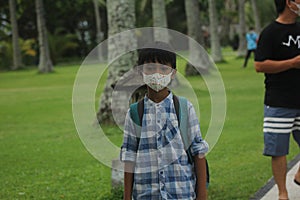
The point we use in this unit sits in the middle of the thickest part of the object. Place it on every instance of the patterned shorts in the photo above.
(279, 123)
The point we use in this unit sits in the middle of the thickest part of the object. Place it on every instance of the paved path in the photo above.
(293, 189)
(270, 191)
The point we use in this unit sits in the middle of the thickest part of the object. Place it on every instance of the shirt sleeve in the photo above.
(264, 47)
(130, 142)
(198, 144)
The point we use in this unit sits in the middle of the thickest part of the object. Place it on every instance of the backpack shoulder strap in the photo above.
(176, 105)
(141, 111)
(181, 108)
(137, 111)
(136, 114)
(183, 116)
(183, 119)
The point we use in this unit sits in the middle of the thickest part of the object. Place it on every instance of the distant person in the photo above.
(235, 42)
(157, 165)
(251, 38)
(278, 56)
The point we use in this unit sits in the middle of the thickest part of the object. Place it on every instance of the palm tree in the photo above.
(194, 31)
(242, 29)
(45, 63)
(228, 18)
(160, 20)
(216, 51)
(98, 21)
(17, 59)
(256, 15)
(121, 17)
(99, 36)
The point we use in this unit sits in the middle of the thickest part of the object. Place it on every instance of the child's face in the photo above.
(157, 76)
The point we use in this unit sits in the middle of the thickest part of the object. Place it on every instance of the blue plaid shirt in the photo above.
(162, 170)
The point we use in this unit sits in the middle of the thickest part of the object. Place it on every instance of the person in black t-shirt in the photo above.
(278, 56)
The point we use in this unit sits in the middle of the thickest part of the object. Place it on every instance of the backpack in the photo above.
(180, 104)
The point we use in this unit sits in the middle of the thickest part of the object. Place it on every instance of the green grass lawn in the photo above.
(42, 156)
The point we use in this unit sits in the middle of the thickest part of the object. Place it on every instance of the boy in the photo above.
(155, 162)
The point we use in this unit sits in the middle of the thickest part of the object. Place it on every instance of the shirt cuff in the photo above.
(127, 156)
(199, 147)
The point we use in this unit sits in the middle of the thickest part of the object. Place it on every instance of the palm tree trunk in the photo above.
(160, 20)
(194, 31)
(227, 21)
(17, 59)
(121, 17)
(99, 33)
(216, 51)
(256, 16)
(242, 30)
(45, 63)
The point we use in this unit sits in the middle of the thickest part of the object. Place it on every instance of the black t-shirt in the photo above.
(280, 42)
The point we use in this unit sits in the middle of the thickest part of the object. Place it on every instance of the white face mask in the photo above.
(298, 6)
(157, 81)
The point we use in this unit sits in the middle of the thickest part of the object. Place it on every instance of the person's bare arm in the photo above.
(200, 169)
(272, 66)
(128, 180)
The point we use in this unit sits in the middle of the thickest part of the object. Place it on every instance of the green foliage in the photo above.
(68, 15)
(62, 45)
(267, 11)
(249, 14)
(28, 52)
(6, 55)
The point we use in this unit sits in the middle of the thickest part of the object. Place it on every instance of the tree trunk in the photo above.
(226, 21)
(160, 20)
(45, 63)
(256, 16)
(99, 36)
(194, 31)
(98, 21)
(121, 17)
(216, 51)
(17, 59)
(242, 30)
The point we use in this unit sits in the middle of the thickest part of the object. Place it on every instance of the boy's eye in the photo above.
(163, 69)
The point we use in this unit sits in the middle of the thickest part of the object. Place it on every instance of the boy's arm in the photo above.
(200, 170)
(128, 155)
(128, 180)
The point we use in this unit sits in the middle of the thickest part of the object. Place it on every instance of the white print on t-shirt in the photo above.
(291, 39)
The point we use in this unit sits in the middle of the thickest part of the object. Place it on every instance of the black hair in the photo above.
(280, 5)
(158, 51)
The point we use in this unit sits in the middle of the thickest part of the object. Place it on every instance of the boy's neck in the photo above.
(157, 96)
